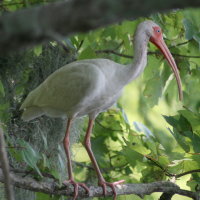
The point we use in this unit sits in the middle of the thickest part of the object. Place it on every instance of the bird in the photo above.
(91, 86)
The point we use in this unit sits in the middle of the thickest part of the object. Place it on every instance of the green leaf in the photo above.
(153, 91)
(109, 32)
(193, 118)
(179, 122)
(30, 156)
(197, 38)
(194, 181)
(152, 68)
(2, 92)
(150, 174)
(195, 139)
(189, 29)
(100, 150)
(87, 53)
(180, 140)
(38, 50)
(42, 196)
(132, 156)
(191, 24)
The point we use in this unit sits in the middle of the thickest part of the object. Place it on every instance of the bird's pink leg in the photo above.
(101, 180)
(66, 143)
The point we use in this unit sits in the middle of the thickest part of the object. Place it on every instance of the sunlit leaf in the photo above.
(153, 91)
(87, 53)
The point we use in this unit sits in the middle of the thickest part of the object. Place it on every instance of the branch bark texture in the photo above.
(138, 189)
(37, 24)
(5, 168)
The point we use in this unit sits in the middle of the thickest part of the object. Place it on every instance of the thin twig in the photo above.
(58, 38)
(114, 52)
(168, 173)
(104, 170)
(15, 147)
(5, 168)
(80, 45)
(193, 153)
(83, 165)
(118, 46)
(110, 51)
(32, 172)
(180, 44)
(188, 172)
(159, 165)
(185, 56)
(63, 46)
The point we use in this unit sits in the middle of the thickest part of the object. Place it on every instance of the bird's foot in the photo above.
(103, 184)
(76, 186)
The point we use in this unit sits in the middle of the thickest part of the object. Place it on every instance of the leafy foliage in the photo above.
(135, 146)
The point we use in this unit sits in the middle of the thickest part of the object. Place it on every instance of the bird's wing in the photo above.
(68, 88)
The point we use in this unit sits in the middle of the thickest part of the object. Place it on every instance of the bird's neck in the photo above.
(140, 56)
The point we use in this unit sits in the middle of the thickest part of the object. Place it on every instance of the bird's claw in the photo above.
(103, 184)
(76, 186)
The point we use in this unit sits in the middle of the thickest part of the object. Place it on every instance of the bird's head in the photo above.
(154, 35)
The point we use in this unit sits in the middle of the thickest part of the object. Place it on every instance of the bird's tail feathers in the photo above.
(31, 113)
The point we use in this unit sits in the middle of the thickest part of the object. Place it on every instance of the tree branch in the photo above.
(166, 196)
(138, 189)
(5, 168)
(167, 173)
(110, 51)
(31, 26)
(188, 172)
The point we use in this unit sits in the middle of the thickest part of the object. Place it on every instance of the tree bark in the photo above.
(32, 26)
(5, 168)
(142, 189)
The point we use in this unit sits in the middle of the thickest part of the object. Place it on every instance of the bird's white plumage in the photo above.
(79, 88)
(87, 87)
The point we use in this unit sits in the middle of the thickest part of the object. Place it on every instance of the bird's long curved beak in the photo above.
(164, 49)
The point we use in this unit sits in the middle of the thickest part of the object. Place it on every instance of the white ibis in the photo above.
(88, 87)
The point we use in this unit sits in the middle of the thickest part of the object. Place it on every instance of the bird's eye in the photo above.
(158, 31)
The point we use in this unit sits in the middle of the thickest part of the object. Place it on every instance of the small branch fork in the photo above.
(141, 190)
(176, 176)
